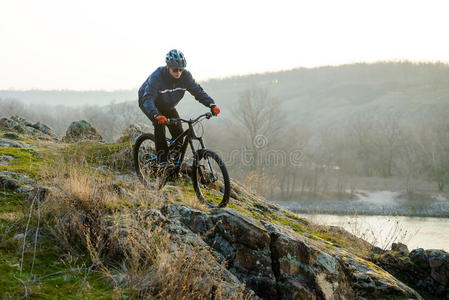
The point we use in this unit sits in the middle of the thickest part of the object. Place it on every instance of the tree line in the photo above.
(264, 146)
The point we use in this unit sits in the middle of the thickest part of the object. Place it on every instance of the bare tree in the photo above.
(434, 146)
(377, 140)
(261, 116)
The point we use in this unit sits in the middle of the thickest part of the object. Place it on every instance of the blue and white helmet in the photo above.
(176, 59)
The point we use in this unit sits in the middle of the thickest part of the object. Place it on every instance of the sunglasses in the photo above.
(176, 70)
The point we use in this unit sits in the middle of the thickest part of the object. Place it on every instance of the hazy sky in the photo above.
(57, 44)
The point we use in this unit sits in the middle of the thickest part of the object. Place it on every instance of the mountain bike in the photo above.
(208, 173)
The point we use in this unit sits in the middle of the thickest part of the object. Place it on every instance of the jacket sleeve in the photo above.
(147, 96)
(197, 91)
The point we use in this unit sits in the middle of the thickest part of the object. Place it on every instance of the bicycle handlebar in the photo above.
(207, 115)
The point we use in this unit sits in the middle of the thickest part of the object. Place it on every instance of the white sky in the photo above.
(85, 45)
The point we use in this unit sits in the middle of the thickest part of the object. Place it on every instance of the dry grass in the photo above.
(125, 237)
(258, 182)
(188, 198)
(382, 235)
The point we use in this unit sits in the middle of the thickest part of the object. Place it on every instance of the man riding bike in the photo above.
(162, 91)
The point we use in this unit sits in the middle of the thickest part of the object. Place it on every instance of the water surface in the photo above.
(415, 232)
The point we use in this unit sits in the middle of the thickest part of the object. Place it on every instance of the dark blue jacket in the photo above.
(162, 92)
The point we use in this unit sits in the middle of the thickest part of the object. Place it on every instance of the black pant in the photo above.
(159, 134)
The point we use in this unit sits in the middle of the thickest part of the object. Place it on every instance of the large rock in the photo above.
(372, 282)
(304, 269)
(11, 135)
(23, 126)
(132, 132)
(81, 131)
(439, 268)
(6, 182)
(38, 194)
(8, 123)
(21, 121)
(243, 242)
(16, 181)
(10, 143)
(401, 248)
(278, 263)
(45, 129)
(420, 258)
(427, 270)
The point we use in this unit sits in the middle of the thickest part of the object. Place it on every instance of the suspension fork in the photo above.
(193, 136)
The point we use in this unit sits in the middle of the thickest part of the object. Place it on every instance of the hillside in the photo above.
(75, 222)
(312, 97)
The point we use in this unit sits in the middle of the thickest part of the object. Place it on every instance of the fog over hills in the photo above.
(314, 96)
(69, 97)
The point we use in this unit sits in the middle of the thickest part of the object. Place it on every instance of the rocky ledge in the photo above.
(426, 270)
(278, 263)
(22, 126)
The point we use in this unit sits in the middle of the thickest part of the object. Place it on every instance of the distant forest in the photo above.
(386, 119)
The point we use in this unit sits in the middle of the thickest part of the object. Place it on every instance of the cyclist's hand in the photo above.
(161, 119)
(215, 110)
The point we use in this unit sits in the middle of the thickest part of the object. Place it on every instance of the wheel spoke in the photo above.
(211, 180)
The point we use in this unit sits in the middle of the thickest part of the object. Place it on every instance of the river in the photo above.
(374, 203)
(383, 217)
(415, 232)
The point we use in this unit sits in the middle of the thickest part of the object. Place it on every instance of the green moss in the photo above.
(256, 215)
(317, 237)
(329, 247)
(210, 195)
(327, 237)
(295, 217)
(11, 201)
(238, 208)
(26, 161)
(188, 190)
(305, 230)
(295, 226)
(214, 199)
(52, 278)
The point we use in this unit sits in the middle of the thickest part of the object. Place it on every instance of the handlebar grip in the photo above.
(172, 121)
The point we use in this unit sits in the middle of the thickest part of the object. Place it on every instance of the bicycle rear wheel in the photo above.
(145, 158)
(211, 180)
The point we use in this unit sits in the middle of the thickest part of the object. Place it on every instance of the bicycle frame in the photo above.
(189, 135)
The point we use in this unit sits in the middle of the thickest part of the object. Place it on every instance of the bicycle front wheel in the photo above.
(211, 180)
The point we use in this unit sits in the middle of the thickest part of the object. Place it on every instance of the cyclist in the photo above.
(162, 91)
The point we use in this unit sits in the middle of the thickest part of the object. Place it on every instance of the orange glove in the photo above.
(161, 119)
(215, 110)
